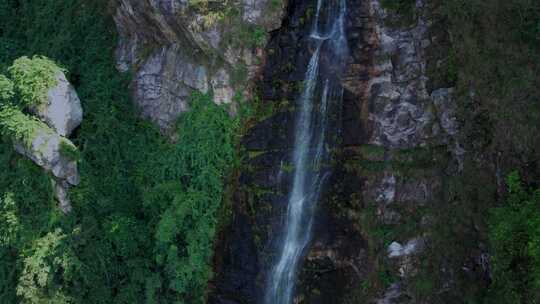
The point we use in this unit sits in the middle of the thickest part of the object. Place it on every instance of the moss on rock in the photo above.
(33, 78)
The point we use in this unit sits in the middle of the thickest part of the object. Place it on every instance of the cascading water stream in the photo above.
(309, 147)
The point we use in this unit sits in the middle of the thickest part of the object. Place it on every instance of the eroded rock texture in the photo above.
(174, 47)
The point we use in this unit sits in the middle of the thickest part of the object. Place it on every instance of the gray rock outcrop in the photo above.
(62, 111)
(45, 150)
(174, 47)
(405, 113)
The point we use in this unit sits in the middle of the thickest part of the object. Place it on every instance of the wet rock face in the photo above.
(238, 265)
(174, 47)
(262, 196)
(400, 158)
(394, 147)
(336, 262)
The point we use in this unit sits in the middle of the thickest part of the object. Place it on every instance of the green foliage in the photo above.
(191, 214)
(239, 74)
(8, 216)
(25, 212)
(276, 4)
(404, 10)
(49, 266)
(33, 78)
(15, 125)
(514, 237)
(145, 213)
(495, 50)
(244, 35)
(257, 36)
(385, 277)
(67, 149)
(6, 90)
(494, 64)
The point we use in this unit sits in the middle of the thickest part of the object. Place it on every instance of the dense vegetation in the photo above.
(30, 81)
(145, 213)
(495, 63)
(491, 54)
(496, 50)
(515, 237)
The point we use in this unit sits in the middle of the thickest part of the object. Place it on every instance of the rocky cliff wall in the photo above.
(396, 151)
(173, 47)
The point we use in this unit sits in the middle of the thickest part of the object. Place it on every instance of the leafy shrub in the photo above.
(6, 90)
(515, 239)
(33, 78)
(15, 125)
(198, 163)
(258, 36)
(50, 264)
(8, 216)
(68, 150)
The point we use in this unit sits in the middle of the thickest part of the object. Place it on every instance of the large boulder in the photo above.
(62, 109)
(46, 93)
(45, 149)
(52, 152)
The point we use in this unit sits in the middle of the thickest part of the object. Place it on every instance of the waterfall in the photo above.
(328, 36)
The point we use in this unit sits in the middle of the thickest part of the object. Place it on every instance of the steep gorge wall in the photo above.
(394, 158)
(396, 153)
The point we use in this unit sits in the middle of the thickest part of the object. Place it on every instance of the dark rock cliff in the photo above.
(394, 146)
(395, 151)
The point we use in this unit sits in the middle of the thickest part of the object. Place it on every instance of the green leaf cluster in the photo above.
(49, 266)
(33, 77)
(184, 196)
(6, 90)
(67, 149)
(19, 127)
(515, 239)
(31, 80)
